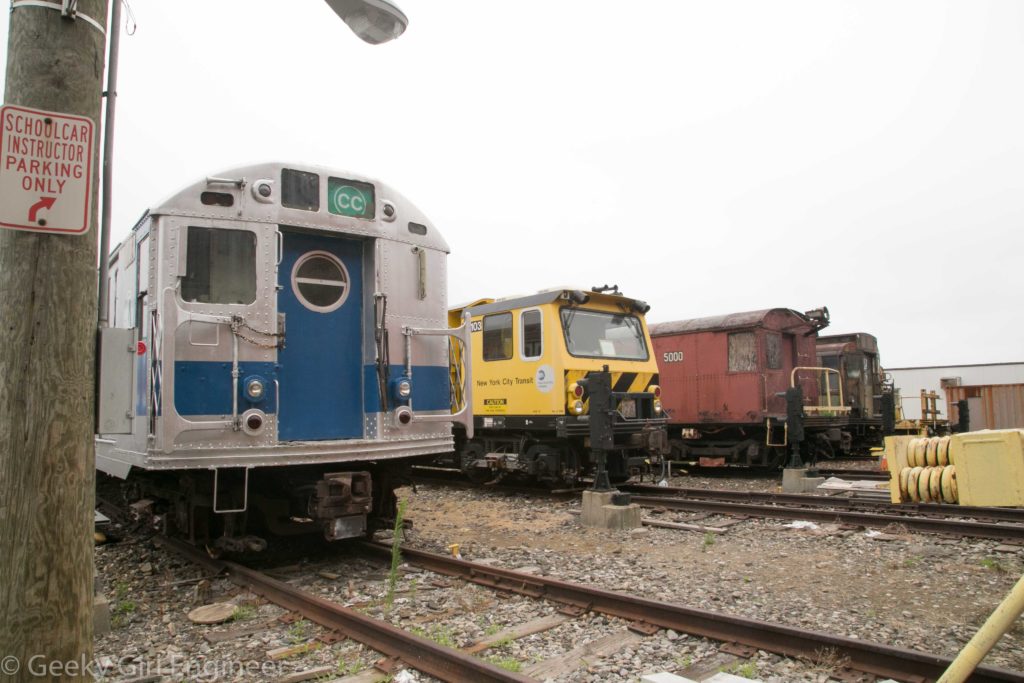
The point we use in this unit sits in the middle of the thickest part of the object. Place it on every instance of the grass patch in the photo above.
(492, 629)
(442, 635)
(743, 669)
(343, 668)
(243, 612)
(993, 564)
(709, 540)
(507, 663)
(298, 632)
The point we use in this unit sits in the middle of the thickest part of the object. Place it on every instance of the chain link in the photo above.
(238, 323)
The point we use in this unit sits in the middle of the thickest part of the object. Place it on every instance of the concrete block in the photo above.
(792, 479)
(100, 616)
(811, 483)
(621, 516)
(665, 677)
(593, 502)
(723, 677)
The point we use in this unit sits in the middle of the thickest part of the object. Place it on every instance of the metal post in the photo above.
(47, 347)
(108, 163)
(599, 385)
(795, 423)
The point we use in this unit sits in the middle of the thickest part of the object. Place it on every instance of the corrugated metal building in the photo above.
(910, 382)
(990, 406)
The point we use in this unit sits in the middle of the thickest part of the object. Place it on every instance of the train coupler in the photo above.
(342, 502)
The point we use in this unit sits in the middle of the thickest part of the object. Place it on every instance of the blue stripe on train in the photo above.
(204, 387)
(430, 390)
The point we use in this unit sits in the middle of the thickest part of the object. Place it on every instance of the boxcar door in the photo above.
(320, 373)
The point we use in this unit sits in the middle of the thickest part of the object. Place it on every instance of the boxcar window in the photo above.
(742, 352)
(533, 344)
(603, 335)
(773, 351)
(220, 266)
(498, 336)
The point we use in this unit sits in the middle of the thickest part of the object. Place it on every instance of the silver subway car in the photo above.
(277, 356)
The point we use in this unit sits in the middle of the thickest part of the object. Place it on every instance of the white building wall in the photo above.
(910, 381)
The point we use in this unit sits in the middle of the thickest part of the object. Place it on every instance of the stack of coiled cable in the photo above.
(929, 477)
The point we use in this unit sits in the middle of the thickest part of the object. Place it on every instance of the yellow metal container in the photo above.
(898, 458)
(989, 467)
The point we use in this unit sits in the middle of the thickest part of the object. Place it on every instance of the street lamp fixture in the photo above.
(375, 21)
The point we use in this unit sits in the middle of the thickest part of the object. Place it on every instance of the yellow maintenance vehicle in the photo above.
(531, 356)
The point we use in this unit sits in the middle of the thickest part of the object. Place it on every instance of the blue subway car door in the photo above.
(320, 372)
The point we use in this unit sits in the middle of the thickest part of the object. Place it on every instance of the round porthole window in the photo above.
(320, 281)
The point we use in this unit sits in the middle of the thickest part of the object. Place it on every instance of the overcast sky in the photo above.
(708, 157)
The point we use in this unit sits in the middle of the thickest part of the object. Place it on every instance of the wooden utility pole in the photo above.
(47, 346)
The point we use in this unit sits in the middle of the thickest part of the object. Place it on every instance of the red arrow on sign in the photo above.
(43, 203)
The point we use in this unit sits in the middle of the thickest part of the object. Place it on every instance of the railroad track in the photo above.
(420, 653)
(846, 473)
(826, 512)
(803, 500)
(740, 636)
(1003, 524)
(861, 657)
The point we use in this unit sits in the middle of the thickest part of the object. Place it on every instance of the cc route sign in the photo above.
(45, 170)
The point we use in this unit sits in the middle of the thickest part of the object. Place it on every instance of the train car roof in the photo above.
(579, 296)
(850, 341)
(407, 218)
(730, 321)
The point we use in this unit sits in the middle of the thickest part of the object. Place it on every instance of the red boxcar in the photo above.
(722, 378)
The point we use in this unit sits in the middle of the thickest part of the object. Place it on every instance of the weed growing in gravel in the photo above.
(243, 612)
(912, 562)
(993, 564)
(441, 635)
(396, 555)
(742, 669)
(343, 668)
(122, 610)
(297, 632)
(684, 662)
(121, 589)
(492, 629)
(709, 540)
(506, 663)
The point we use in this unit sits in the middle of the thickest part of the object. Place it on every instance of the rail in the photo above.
(872, 658)
(420, 653)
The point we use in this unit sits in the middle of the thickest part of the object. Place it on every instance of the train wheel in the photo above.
(472, 454)
(823, 448)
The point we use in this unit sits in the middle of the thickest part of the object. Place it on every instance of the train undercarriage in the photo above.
(551, 460)
(238, 509)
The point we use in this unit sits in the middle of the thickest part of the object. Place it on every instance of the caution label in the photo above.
(495, 405)
(45, 170)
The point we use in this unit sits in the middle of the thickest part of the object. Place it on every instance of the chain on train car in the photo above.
(278, 355)
(530, 408)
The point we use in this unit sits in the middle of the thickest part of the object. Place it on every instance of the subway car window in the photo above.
(300, 190)
(220, 267)
(498, 336)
